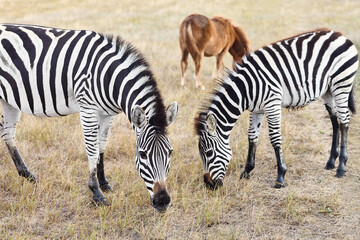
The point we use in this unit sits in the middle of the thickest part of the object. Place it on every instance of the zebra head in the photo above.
(153, 151)
(214, 149)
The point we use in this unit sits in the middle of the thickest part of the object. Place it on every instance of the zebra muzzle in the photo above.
(210, 183)
(161, 200)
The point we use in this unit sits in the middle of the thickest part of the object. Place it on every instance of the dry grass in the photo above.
(314, 205)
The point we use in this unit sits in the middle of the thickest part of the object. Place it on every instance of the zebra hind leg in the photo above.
(340, 172)
(334, 153)
(10, 118)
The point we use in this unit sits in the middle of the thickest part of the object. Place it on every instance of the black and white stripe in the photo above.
(55, 72)
(289, 73)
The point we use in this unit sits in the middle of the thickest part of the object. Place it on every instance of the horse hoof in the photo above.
(340, 173)
(106, 187)
(245, 175)
(279, 185)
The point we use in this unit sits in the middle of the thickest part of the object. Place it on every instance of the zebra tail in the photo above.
(351, 101)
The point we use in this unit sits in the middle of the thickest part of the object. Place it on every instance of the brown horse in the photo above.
(201, 36)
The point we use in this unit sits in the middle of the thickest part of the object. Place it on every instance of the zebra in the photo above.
(51, 72)
(289, 73)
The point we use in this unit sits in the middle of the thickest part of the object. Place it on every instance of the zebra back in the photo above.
(48, 72)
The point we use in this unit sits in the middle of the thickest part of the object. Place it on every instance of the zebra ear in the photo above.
(211, 124)
(138, 117)
(171, 113)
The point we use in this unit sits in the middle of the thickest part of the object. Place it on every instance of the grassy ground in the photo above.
(314, 205)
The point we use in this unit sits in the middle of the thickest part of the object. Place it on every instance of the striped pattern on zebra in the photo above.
(55, 72)
(289, 73)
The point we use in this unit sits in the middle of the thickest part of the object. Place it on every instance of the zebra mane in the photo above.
(199, 121)
(158, 119)
(300, 34)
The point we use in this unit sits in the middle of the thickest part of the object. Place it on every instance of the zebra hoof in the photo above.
(28, 175)
(329, 166)
(100, 201)
(340, 173)
(106, 187)
(279, 185)
(245, 175)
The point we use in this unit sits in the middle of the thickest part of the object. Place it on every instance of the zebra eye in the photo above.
(209, 153)
(143, 155)
(170, 152)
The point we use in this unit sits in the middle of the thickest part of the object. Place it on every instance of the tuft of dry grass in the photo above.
(314, 205)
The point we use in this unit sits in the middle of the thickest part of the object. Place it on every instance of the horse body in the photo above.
(201, 36)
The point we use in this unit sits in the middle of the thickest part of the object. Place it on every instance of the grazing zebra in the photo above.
(289, 73)
(55, 72)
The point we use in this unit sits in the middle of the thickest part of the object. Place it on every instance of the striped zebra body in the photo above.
(56, 72)
(289, 73)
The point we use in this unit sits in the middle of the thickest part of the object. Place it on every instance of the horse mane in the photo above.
(243, 39)
(158, 119)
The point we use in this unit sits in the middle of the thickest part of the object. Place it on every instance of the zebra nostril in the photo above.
(209, 183)
(161, 201)
(218, 183)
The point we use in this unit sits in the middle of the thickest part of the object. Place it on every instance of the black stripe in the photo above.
(277, 62)
(119, 79)
(27, 42)
(80, 56)
(96, 79)
(13, 85)
(53, 67)
(64, 75)
(321, 54)
(107, 77)
(286, 61)
(336, 53)
(18, 63)
(309, 54)
(46, 40)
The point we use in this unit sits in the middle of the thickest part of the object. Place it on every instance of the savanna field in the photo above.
(313, 205)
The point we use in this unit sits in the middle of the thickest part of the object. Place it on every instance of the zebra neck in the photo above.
(229, 102)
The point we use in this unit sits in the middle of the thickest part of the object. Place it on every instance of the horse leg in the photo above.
(334, 153)
(274, 121)
(90, 123)
(105, 123)
(184, 63)
(253, 136)
(197, 60)
(10, 118)
(219, 65)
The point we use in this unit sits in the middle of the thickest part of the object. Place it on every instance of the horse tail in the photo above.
(189, 39)
(243, 39)
(351, 101)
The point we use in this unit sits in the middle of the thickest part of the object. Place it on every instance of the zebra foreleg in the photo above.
(253, 135)
(340, 172)
(334, 153)
(105, 123)
(9, 121)
(281, 168)
(90, 124)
